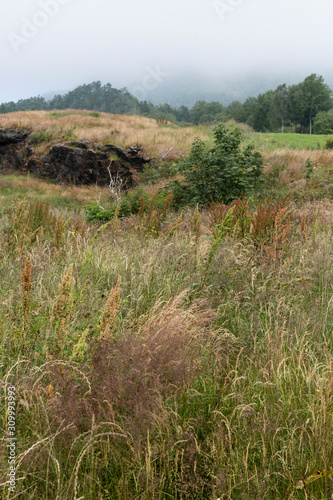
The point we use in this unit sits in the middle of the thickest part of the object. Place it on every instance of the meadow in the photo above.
(290, 141)
(176, 355)
(156, 136)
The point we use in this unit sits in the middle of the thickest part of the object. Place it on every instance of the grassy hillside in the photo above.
(156, 137)
(157, 358)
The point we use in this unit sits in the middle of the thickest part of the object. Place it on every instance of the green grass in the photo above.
(268, 142)
(272, 141)
(15, 187)
(294, 141)
(216, 379)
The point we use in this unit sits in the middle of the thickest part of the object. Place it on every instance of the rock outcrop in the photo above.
(78, 162)
(14, 152)
(9, 137)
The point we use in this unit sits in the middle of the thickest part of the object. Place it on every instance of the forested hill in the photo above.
(93, 96)
(305, 107)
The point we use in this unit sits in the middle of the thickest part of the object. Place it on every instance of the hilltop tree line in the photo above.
(306, 107)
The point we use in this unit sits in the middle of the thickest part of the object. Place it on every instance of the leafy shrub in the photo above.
(323, 122)
(329, 144)
(221, 173)
(39, 137)
(96, 213)
(180, 193)
(152, 174)
(309, 168)
(130, 203)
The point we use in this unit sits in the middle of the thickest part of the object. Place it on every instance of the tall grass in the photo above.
(157, 138)
(289, 166)
(163, 384)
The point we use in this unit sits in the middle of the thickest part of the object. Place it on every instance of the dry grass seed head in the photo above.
(63, 305)
(154, 359)
(26, 283)
(80, 349)
(108, 318)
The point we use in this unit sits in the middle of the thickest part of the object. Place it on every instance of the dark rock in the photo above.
(78, 165)
(8, 137)
(135, 155)
(14, 152)
(81, 144)
(15, 157)
(83, 166)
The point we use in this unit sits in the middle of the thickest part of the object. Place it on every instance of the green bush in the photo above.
(181, 194)
(224, 172)
(329, 144)
(94, 114)
(130, 203)
(153, 174)
(39, 137)
(323, 122)
(96, 213)
(309, 168)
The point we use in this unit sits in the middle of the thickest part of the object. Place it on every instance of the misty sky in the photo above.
(59, 44)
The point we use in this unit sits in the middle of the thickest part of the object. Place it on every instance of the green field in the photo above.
(169, 355)
(268, 142)
(272, 141)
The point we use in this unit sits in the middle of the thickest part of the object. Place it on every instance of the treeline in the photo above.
(93, 96)
(306, 107)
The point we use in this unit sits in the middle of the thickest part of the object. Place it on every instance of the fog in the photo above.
(55, 45)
